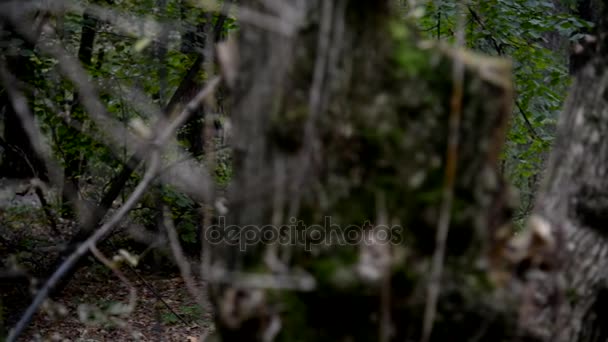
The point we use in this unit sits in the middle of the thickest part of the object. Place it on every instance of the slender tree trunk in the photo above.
(19, 159)
(74, 158)
(198, 41)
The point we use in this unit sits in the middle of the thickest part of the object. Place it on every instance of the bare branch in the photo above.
(180, 260)
(119, 274)
(189, 109)
(286, 25)
(443, 224)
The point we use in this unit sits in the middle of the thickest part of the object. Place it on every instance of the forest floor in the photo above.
(94, 304)
(89, 309)
(92, 308)
(91, 305)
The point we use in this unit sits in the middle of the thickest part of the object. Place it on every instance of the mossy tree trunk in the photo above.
(341, 129)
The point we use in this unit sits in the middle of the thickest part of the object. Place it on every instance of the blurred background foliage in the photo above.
(537, 37)
(126, 54)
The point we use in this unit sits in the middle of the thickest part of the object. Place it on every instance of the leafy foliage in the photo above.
(536, 36)
(124, 57)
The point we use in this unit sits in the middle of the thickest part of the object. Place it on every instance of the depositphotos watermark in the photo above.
(298, 233)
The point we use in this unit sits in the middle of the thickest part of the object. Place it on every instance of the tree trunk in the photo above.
(19, 160)
(341, 132)
(197, 41)
(74, 160)
(575, 203)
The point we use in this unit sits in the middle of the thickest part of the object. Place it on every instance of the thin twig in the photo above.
(447, 200)
(132, 290)
(157, 295)
(207, 209)
(477, 19)
(152, 289)
(528, 124)
(315, 103)
(180, 259)
(316, 90)
(190, 108)
(286, 25)
(386, 289)
(297, 281)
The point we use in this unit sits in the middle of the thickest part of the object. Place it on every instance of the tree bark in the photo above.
(341, 126)
(74, 160)
(19, 159)
(196, 41)
(575, 202)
